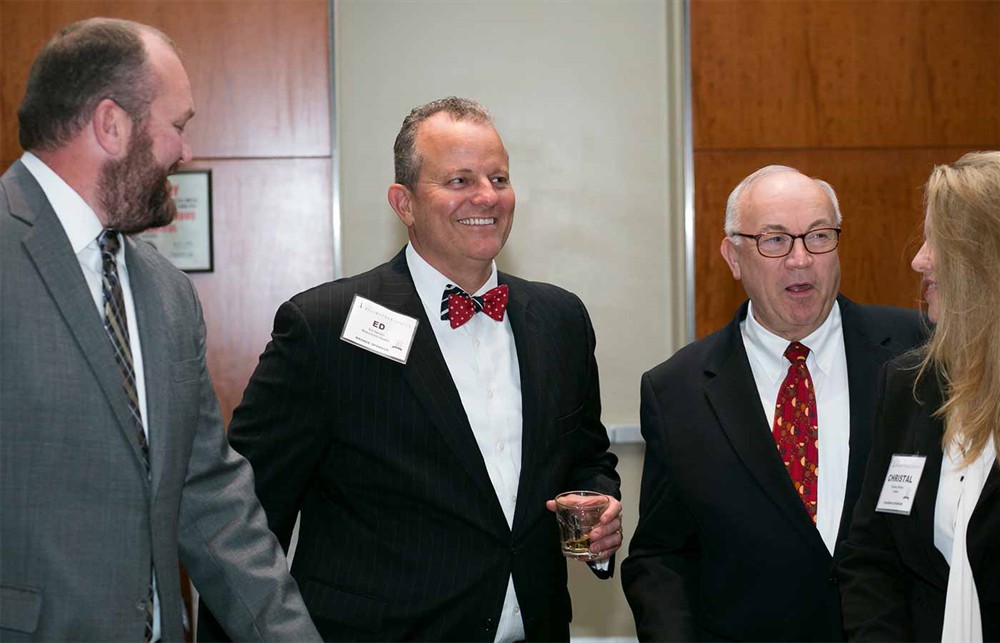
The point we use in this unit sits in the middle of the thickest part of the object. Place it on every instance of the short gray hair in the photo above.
(734, 204)
(407, 161)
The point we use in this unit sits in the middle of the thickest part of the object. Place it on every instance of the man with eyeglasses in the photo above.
(757, 435)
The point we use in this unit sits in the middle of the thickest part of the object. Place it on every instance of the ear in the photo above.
(112, 127)
(401, 201)
(730, 254)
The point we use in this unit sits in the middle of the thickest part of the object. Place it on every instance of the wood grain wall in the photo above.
(866, 94)
(260, 77)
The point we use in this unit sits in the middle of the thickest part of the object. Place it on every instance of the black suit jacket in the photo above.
(402, 535)
(724, 548)
(893, 577)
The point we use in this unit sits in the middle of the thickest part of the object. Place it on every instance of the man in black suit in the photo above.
(754, 460)
(425, 465)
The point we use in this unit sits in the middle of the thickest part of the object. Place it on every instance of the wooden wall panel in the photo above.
(778, 74)
(258, 68)
(272, 232)
(880, 194)
(867, 95)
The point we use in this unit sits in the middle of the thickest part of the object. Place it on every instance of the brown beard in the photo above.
(134, 190)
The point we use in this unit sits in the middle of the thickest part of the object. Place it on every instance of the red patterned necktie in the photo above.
(458, 306)
(796, 431)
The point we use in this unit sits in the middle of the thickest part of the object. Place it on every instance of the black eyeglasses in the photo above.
(779, 244)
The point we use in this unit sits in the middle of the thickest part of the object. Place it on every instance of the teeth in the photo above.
(489, 221)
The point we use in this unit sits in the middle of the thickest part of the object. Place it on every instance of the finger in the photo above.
(612, 511)
(550, 505)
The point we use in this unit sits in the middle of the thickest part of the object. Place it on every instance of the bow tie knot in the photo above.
(458, 306)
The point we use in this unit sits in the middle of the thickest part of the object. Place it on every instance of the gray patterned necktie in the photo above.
(116, 324)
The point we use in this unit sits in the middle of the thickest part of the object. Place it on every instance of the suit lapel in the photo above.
(430, 381)
(531, 364)
(154, 340)
(53, 257)
(731, 391)
(927, 433)
(865, 356)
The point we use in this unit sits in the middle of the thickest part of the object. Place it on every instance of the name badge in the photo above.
(900, 484)
(379, 330)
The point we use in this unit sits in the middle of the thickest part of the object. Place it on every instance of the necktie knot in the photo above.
(108, 242)
(458, 306)
(796, 352)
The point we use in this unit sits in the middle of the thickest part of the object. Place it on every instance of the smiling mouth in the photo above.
(478, 221)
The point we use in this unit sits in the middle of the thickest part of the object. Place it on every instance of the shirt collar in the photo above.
(769, 349)
(77, 218)
(430, 283)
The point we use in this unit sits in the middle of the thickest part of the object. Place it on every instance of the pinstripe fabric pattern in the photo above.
(401, 534)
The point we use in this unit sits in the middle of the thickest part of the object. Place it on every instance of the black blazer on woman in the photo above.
(893, 578)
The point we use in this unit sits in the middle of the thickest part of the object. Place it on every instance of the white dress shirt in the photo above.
(959, 488)
(83, 227)
(482, 359)
(827, 363)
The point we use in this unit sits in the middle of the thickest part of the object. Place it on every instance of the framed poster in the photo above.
(187, 242)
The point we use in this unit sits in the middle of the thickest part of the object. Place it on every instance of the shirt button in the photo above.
(513, 498)
(517, 609)
(475, 343)
(500, 446)
(489, 394)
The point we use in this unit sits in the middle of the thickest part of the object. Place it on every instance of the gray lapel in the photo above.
(154, 340)
(53, 257)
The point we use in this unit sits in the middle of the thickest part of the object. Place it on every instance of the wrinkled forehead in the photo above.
(787, 200)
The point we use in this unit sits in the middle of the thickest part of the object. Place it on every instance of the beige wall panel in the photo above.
(880, 193)
(848, 73)
(258, 68)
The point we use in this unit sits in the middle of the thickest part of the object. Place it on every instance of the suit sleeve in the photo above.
(872, 578)
(594, 466)
(225, 544)
(279, 424)
(660, 574)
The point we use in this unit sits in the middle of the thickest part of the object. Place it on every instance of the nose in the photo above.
(186, 155)
(486, 194)
(799, 257)
(921, 261)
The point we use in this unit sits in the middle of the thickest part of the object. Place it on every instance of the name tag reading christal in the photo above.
(900, 484)
(379, 330)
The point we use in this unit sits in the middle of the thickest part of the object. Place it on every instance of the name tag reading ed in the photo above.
(900, 484)
(379, 330)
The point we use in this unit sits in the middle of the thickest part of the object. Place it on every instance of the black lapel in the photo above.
(531, 364)
(733, 395)
(50, 250)
(865, 353)
(429, 379)
(927, 433)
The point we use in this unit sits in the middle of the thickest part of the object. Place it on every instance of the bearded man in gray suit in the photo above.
(115, 466)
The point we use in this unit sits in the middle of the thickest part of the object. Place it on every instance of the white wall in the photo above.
(584, 96)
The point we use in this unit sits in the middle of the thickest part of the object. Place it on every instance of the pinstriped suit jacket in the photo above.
(402, 536)
(81, 524)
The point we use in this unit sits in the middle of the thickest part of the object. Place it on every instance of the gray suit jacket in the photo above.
(81, 525)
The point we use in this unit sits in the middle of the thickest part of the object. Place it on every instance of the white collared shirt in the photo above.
(482, 359)
(827, 363)
(83, 227)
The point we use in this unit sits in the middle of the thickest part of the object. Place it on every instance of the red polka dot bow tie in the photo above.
(458, 306)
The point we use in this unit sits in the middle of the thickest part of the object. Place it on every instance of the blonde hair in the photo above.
(963, 214)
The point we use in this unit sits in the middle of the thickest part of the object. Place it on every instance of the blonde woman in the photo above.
(922, 561)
